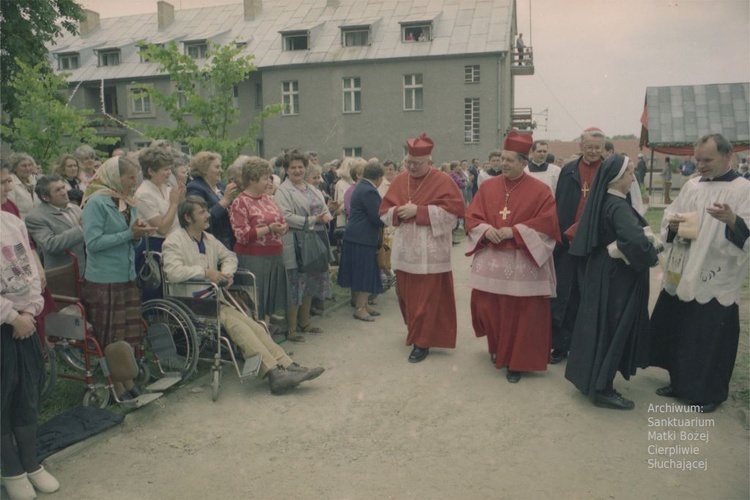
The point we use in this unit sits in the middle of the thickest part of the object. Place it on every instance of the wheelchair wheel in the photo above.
(73, 357)
(215, 383)
(176, 349)
(50, 368)
(96, 397)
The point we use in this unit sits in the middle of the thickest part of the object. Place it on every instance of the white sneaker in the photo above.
(44, 481)
(19, 487)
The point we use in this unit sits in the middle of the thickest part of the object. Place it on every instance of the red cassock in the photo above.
(421, 255)
(513, 280)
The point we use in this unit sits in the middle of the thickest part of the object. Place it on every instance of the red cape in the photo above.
(434, 188)
(531, 204)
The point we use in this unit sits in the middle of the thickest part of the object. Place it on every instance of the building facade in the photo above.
(354, 77)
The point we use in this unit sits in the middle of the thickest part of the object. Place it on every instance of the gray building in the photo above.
(355, 77)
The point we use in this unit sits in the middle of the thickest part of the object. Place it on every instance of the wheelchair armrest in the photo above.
(65, 299)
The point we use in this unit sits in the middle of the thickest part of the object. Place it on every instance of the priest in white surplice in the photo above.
(695, 324)
(423, 205)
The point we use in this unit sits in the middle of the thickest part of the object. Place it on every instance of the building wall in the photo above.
(382, 126)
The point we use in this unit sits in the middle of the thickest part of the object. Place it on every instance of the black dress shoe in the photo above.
(666, 392)
(418, 354)
(557, 356)
(613, 400)
(707, 407)
(513, 377)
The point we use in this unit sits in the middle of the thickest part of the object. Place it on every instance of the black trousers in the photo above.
(21, 380)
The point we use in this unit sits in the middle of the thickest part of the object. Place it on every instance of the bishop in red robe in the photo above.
(423, 205)
(512, 229)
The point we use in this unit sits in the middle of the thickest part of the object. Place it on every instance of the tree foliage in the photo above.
(202, 109)
(624, 136)
(26, 25)
(46, 126)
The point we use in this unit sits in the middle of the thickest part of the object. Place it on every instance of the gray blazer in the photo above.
(54, 233)
(296, 210)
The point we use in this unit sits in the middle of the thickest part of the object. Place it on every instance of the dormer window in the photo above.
(296, 40)
(143, 48)
(355, 36)
(196, 50)
(420, 31)
(109, 57)
(68, 61)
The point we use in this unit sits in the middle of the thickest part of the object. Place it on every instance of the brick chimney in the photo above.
(252, 8)
(90, 23)
(165, 14)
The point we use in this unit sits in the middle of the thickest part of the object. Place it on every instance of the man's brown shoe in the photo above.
(281, 380)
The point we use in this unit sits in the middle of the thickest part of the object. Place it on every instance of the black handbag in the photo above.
(149, 276)
(310, 252)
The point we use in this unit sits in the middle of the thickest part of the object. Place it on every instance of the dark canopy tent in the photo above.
(675, 117)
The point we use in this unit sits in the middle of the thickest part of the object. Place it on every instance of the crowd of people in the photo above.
(560, 260)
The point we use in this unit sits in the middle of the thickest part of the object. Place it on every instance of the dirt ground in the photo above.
(375, 426)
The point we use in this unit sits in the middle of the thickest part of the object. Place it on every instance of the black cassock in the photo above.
(611, 329)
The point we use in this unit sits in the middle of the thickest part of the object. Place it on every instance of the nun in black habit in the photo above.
(611, 329)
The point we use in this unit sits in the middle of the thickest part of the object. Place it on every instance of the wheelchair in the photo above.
(167, 356)
(203, 309)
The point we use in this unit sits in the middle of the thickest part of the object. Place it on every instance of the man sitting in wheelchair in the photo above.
(190, 253)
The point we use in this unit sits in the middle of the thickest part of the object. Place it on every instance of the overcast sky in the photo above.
(595, 58)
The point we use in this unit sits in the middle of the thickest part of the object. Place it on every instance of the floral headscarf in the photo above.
(106, 182)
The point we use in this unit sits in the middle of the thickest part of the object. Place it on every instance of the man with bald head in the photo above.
(573, 189)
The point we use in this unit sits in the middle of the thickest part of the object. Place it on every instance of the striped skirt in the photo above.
(114, 310)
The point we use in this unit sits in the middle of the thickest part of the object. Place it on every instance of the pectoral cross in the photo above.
(505, 212)
(585, 190)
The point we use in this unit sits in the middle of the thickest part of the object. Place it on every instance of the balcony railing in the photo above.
(107, 125)
(522, 62)
(521, 119)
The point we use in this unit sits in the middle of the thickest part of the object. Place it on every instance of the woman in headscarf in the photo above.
(611, 329)
(112, 232)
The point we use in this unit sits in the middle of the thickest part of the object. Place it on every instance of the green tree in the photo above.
(624, 136)
(26, 26)
(202, 109)
(46, 126)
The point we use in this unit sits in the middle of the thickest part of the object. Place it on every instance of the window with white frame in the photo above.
(140, 101)
(471, 120)
(290, 97)
(413, 91)
(352, 95)
(109, 57)
(68, 61)
(356, 151)
(471, 74)
(296, 40)
(185, 148)
(196, 50)
(355, 37)
(140, 144)
(416, 32)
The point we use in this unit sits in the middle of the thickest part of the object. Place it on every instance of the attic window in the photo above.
(109, 57)
(68, 61)
(296, 40)
(358, 36)
(416, 32)
(196, 50)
